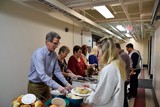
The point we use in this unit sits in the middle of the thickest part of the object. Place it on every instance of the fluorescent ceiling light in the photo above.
(119, 37)
(104, 11)
(109, 32)
(128, 35)
(120, 27)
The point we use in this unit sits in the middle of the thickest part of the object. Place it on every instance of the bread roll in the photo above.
(15, 103)
(20, 98)
(27, 105)
(53, 105)
(38, 104)
(33, 104)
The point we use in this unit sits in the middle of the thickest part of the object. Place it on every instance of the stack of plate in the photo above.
(56, 93)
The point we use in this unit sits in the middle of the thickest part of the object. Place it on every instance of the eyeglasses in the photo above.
(55, 43)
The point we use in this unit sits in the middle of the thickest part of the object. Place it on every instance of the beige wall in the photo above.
(22, 30)
(155, 67)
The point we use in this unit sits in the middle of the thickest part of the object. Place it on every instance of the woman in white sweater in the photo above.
(110, 89)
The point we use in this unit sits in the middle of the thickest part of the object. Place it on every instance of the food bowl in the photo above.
(49, 102)
(75, 101)
(59, 102)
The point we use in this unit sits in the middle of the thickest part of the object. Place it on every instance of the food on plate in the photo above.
(17, 102)
(33, 104)
(27, 105)
(38, 104)
(53, 105)
(73, 96)
(82, 90)
(19, 99)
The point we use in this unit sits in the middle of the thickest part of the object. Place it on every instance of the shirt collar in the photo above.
(47, 51)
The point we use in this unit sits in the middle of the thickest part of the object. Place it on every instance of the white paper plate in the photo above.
(73, 96)
(82, 95)
(28, 98)
(56, 92)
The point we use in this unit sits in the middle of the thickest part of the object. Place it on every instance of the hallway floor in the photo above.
(144, 97)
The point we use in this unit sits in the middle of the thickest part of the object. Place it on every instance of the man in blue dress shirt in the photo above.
(44, 63)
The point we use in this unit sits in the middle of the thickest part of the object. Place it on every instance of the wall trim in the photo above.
(155, 98)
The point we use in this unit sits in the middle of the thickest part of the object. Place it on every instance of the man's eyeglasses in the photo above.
(55, 43)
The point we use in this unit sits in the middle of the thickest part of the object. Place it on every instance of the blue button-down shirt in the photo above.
(43, 64)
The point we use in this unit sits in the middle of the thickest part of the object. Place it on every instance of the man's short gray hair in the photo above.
(51, 35)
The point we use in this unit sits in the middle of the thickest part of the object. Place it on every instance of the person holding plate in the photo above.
(109, 91)
(44, 63)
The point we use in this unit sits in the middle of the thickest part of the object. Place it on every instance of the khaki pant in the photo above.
(41, 90)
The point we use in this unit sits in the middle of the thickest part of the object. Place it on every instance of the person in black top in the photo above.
(62, 54)
(135, 69)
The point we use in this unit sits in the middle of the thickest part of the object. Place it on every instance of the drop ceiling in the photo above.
(133, 15)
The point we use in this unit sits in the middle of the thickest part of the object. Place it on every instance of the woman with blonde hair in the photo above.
(110, 89)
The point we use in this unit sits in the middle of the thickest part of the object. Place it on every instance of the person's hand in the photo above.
(79, 76)
(89, 66)
(73, 76)
(94, 65)
(132, 71)
(62, 90)
(68, 87)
